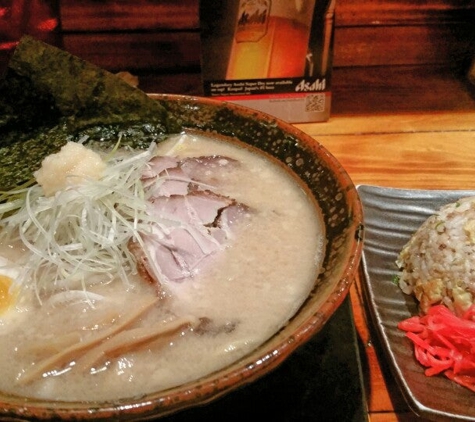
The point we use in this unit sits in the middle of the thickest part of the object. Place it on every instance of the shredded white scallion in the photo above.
(78, 237)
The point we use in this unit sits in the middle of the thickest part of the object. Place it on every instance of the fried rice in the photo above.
(438, 263)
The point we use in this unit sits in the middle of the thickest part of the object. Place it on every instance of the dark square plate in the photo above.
(391, 216)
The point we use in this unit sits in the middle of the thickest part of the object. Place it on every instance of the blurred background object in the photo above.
(38, 18)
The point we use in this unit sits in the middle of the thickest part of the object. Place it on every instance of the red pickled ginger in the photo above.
(444, 343)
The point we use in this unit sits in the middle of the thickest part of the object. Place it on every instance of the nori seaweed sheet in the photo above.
(49, 97)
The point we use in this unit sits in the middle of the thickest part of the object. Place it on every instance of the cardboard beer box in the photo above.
(271, 55)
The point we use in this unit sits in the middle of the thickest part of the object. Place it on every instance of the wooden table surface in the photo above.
(430, 150)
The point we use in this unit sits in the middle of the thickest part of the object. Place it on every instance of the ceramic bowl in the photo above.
(328, 182)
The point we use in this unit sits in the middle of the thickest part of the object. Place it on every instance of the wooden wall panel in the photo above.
(402, 12)
(136, 51)
(107, 15)
(365, 46)
(404, 45)
(100, 15)
(367, 33)
(388, 89)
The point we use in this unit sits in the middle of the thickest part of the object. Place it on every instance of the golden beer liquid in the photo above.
(279, 53)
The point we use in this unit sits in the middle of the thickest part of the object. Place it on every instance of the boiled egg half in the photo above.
(9, 274)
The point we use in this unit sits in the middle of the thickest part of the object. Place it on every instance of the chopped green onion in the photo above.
(79, 236)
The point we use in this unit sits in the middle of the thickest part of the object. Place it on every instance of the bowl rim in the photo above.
(242, 372)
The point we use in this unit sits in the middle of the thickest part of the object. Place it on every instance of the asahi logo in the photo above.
(306, 86)
(252, 20)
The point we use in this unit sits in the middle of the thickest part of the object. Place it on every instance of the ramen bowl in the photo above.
(323, 178)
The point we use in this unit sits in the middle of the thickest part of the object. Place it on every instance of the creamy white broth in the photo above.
(248, 291)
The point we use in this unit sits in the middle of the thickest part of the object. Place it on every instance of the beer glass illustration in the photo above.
(270, 39)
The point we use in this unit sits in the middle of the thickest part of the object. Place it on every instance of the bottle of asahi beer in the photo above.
(270, 39)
